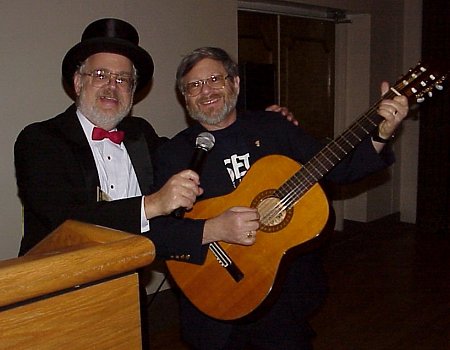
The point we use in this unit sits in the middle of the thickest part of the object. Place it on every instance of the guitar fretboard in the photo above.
(330, 155)
(418, 83)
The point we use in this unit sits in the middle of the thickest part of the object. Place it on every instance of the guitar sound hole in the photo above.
(273, 214)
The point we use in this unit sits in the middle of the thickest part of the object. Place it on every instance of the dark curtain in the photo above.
(433, 209)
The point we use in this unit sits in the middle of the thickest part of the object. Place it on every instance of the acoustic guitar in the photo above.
(234, 280)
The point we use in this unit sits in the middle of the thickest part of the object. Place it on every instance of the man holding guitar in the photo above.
(241, 216)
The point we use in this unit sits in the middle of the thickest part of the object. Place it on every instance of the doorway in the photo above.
(288, 60)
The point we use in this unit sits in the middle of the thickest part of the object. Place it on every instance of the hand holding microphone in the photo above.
(203, 144)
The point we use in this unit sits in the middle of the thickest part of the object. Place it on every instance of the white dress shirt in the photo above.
(116, 173)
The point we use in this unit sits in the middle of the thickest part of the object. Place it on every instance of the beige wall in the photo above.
(34, 37)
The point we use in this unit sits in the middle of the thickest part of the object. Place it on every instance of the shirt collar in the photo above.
(87, 126)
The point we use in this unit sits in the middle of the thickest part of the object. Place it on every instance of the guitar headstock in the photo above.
(420, 82)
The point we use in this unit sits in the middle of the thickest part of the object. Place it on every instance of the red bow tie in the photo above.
(114, 136)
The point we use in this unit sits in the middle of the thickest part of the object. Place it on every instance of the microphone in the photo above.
(203, 144)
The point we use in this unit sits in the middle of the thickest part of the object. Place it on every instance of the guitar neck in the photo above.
(418, 83)
(330, 155)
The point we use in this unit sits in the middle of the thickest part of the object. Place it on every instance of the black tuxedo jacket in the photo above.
(57, 180)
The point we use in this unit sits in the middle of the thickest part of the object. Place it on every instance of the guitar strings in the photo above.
(295, 192)
(364, 123)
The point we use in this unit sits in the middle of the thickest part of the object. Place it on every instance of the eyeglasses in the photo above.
(194, 88)
(101, 77)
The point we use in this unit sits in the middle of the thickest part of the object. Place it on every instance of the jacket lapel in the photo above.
(140, 158)
(73, 132)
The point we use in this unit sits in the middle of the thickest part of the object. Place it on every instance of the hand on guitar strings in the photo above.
(237, 225)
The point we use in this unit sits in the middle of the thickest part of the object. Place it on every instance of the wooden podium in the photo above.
(77, 289)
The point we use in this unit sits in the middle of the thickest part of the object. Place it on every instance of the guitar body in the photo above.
(209, 286)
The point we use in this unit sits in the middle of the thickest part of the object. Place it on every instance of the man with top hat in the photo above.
(92, 162)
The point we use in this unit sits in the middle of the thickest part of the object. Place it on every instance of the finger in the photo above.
(390, 107)
(251, 234)
(292, 119)
(192, 191)
(244, 210)
(190, 175)
(401, 104)
(384, 87)
(284, 111)
(273, 108)
(185, 200)
(184, 180)
(402, 101)
(248, 237)
(250, 222)
(253, 225)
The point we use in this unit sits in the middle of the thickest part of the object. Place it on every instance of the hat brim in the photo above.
(141, 59)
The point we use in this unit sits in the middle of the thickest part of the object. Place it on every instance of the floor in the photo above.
(389, 289)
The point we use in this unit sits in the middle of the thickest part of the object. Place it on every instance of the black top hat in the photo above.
(114, 36)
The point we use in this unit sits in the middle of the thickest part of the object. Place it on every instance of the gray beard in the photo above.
(204, 118)
(103, 121)
(100, 119)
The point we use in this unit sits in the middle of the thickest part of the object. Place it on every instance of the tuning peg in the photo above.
(439, 87)
(420, 99)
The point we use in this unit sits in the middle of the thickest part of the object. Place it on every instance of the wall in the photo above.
(35, 36)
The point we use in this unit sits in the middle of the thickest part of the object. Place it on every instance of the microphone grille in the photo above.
(205, 140)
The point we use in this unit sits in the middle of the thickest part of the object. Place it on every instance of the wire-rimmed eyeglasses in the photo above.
(194, 88)
(101, 77)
